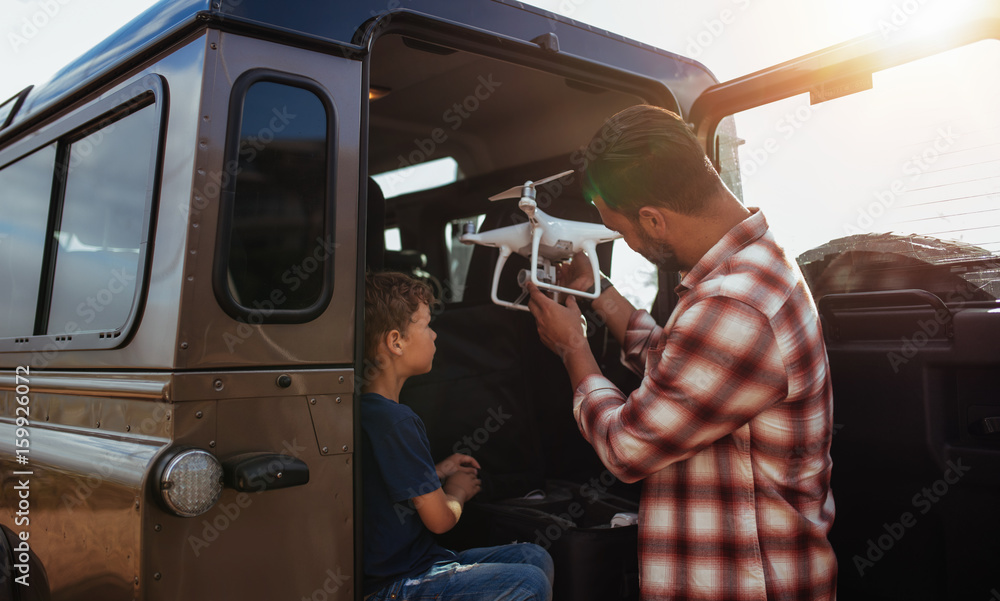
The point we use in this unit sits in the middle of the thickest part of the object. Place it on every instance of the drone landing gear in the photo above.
(545, 273)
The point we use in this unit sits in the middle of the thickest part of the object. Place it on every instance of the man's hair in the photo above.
(648, 156)
(391, 299)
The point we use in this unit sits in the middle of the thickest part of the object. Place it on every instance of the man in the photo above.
(730, 428)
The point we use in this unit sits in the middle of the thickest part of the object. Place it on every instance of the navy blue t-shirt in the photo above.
(397, 467)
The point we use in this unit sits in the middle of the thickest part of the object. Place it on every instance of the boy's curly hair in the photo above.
(391, 299)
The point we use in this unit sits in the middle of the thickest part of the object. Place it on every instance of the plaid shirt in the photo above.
(730, 429)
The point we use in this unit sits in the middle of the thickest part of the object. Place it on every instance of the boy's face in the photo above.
(418, 343)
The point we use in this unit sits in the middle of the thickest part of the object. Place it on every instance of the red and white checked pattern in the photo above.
(730, 431)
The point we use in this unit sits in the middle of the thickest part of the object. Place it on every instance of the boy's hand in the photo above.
(441, 508)
(455, 464)
(462, 485)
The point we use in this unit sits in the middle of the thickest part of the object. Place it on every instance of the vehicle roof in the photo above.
(350, 25)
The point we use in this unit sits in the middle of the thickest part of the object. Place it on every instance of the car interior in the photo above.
(497, 393)
(522, 124)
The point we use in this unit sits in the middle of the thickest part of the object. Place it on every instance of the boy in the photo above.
(402, 560)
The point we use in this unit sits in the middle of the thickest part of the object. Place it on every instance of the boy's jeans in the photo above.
(516, 572)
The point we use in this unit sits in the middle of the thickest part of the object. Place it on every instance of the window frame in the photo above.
(220, 283)
(148, 91)
(12, 105)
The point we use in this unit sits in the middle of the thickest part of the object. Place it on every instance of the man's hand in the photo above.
(611, 306)
(456, 463)
(563, 330)
(578, 274)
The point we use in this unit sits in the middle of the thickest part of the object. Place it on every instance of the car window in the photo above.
(892, 187)
(24, 204)
(417, 176)
(101, 228)
(392, 239)
(459, 256)
(280, 246)
(633, 275)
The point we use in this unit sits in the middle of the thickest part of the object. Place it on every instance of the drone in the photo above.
(545, 240)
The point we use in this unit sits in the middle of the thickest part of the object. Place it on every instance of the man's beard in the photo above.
(658, 253)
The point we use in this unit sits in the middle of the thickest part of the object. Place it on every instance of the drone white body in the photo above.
(545, 240)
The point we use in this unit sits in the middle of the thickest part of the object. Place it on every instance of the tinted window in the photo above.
(279, 246)
(101, 230)
(25, 190)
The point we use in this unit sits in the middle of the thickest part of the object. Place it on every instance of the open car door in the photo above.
(877, 165)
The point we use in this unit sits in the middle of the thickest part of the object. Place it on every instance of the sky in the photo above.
(731, 37)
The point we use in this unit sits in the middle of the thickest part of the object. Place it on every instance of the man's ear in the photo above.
(394, 342)
(653, 221)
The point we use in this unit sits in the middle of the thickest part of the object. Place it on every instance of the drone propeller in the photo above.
(518, 191)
